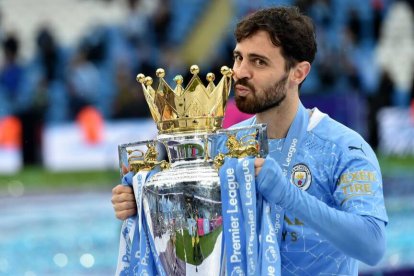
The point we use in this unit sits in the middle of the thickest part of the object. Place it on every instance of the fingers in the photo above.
(120, 189)
(124, 197)
(125, 169)
(258, 164)
(122, 193)
(124, 206)
(124, 209)
(123, 215)
(123, 201)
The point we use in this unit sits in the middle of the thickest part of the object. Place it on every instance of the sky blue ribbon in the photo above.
(126, 237)
(269, 252)
(286, 160)
(246, 178)
(233, 223)
(138, 255)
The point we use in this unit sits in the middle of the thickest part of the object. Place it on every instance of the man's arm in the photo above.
(361, 237)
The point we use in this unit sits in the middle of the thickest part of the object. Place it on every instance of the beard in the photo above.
(258, 102)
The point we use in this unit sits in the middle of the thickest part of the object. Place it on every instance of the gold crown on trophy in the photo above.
(195, 108)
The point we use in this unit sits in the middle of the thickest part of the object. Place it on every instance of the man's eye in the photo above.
(237, 57)
(259, 62)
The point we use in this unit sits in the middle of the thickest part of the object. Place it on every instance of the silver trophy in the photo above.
(181, 200)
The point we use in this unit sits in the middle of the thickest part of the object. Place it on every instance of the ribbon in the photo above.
(126, 237)
(234, 233)
(245, 254)
(245, 173)
(286, 160)
(269, 258)
(137, 253)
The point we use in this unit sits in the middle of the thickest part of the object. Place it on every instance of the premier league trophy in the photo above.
(179, 226)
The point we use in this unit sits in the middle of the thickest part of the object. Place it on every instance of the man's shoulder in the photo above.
(333, 132)
(323, 126)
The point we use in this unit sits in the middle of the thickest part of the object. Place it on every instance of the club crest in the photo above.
(301, 176)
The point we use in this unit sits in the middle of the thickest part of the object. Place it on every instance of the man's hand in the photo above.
(258, 164)
(270, 181)
(123, 201)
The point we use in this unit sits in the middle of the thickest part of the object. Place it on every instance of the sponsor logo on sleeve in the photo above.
(356, 148)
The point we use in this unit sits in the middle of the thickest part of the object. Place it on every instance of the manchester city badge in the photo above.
(301, 176)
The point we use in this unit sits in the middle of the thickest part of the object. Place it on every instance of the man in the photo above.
(323, 175)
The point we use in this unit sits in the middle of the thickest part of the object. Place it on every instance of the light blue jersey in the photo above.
(336, 166)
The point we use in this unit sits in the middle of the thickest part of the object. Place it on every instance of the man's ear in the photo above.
(301, 71)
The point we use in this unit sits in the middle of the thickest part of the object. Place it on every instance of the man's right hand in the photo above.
(123, 201)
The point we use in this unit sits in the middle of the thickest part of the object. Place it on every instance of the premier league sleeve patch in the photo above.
(301, 176)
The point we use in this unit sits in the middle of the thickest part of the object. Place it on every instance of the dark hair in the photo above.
(287, 28)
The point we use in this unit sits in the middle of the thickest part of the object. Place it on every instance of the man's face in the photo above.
(260, 80)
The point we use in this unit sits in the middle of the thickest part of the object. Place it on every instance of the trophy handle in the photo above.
(140, 156)
(242, 142)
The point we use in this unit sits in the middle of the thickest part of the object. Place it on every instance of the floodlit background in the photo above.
(68, 97)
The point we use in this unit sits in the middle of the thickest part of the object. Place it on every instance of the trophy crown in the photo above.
(193, 108)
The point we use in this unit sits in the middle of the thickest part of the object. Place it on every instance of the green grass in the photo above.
(393, 164)
(184, 243)
(36, 177)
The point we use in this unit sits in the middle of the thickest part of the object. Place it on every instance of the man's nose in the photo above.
(242, 70)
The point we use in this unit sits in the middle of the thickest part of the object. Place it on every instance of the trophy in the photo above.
(181, 200)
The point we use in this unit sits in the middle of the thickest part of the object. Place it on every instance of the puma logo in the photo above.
(356, 148)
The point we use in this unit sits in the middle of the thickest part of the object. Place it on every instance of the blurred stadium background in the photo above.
(68, 97)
